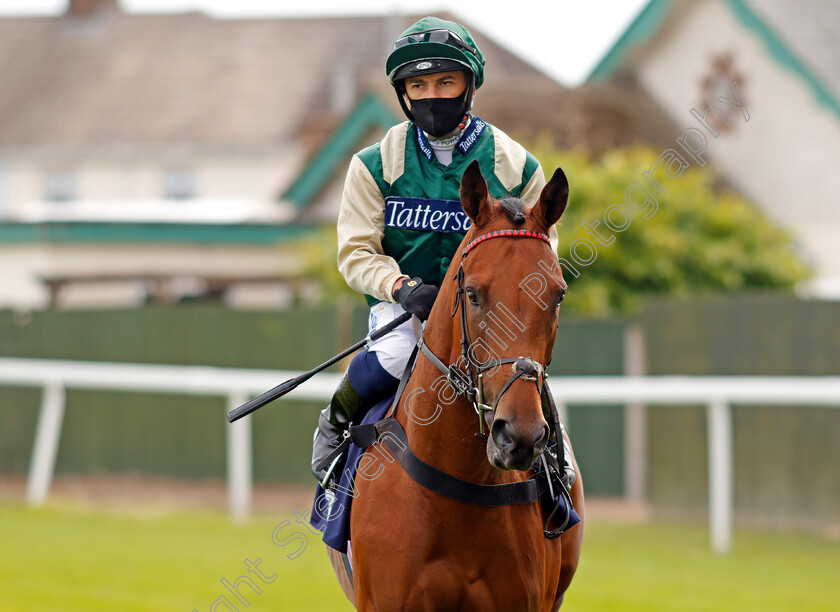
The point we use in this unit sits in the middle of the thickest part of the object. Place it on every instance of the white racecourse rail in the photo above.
(238, 385)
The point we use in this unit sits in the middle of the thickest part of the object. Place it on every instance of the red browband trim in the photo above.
(506, 234)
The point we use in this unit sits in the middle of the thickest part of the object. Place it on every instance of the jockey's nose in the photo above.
(519, 448)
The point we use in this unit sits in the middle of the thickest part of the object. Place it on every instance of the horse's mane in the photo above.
(515, 209)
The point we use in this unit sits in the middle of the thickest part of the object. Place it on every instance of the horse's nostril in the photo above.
(503, 435)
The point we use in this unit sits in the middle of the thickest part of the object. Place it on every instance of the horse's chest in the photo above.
(483, 570)
(431, 553)
(487, 586)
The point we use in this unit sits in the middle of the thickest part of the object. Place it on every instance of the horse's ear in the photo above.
(553, 199)
(474, 194)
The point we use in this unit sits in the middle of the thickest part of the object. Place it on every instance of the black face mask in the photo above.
(439, 116)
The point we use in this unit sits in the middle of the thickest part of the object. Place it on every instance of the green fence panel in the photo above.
(282, 438)
(169, 434)
(18, 417)
(194, 335)
(182, 436)
(154, 434)
(593, 348)
(787, 460)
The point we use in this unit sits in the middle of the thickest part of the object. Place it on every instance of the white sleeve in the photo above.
(361, 226)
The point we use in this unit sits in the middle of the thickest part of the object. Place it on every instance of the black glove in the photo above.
(416, 297)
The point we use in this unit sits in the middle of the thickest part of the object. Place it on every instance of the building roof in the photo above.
(124, 83)
(802, 36)
(86, 232)
(116, 81)
(594, 117)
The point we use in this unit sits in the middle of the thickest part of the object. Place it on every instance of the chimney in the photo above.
(83, 8)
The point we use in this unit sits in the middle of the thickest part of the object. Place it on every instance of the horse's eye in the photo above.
(560, 297)
(472, 296)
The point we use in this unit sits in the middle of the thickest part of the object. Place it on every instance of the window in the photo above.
(179, 184)
(59, 186)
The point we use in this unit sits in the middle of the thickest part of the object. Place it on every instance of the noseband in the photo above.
(469, 383)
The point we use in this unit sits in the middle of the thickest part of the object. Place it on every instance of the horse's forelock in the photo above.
(514, 208)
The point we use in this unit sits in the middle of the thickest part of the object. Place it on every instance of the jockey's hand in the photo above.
(416, 297)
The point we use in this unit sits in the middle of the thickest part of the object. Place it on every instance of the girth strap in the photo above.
(389, 432)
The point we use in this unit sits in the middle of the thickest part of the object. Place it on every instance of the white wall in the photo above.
(786, 157)
(231, 187)
(247, 177)
(23, 267)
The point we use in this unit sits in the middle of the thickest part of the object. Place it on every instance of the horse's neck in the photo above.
(441, 430)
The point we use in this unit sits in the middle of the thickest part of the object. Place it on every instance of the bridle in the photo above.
(469, 383)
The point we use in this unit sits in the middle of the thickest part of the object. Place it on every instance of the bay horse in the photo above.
(415, 550)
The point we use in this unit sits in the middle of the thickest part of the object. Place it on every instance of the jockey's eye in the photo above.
(472, 296)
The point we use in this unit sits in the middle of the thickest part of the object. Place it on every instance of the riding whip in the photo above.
(285, 387)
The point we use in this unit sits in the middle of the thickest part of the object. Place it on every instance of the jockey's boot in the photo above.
(568, 467)
(345, 406)
(553, 449)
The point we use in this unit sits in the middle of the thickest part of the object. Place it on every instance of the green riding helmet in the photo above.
(430, 46)
(435, 39)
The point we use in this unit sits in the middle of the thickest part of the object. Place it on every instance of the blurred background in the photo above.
(170, 176)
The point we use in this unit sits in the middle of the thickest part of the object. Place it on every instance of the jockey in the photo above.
(401, 220)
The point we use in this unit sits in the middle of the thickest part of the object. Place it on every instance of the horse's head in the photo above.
(512, 287)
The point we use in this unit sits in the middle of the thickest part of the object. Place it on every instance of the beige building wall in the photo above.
(258, 178)
(125, 266)
(241, 188)
(785, 157)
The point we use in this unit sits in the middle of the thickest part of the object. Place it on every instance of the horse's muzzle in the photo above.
(511, 448)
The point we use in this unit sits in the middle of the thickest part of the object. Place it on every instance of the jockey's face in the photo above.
(438, 85)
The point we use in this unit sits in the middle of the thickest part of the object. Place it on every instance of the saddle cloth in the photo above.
(332, 517)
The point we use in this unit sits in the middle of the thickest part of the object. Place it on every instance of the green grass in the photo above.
(65, 557)
(670, 568)
(62, 558)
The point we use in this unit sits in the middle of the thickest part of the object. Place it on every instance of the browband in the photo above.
(510, 233)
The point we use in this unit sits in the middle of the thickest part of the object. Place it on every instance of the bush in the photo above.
(701, 237)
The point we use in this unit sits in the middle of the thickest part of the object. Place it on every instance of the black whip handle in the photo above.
(284, 387)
